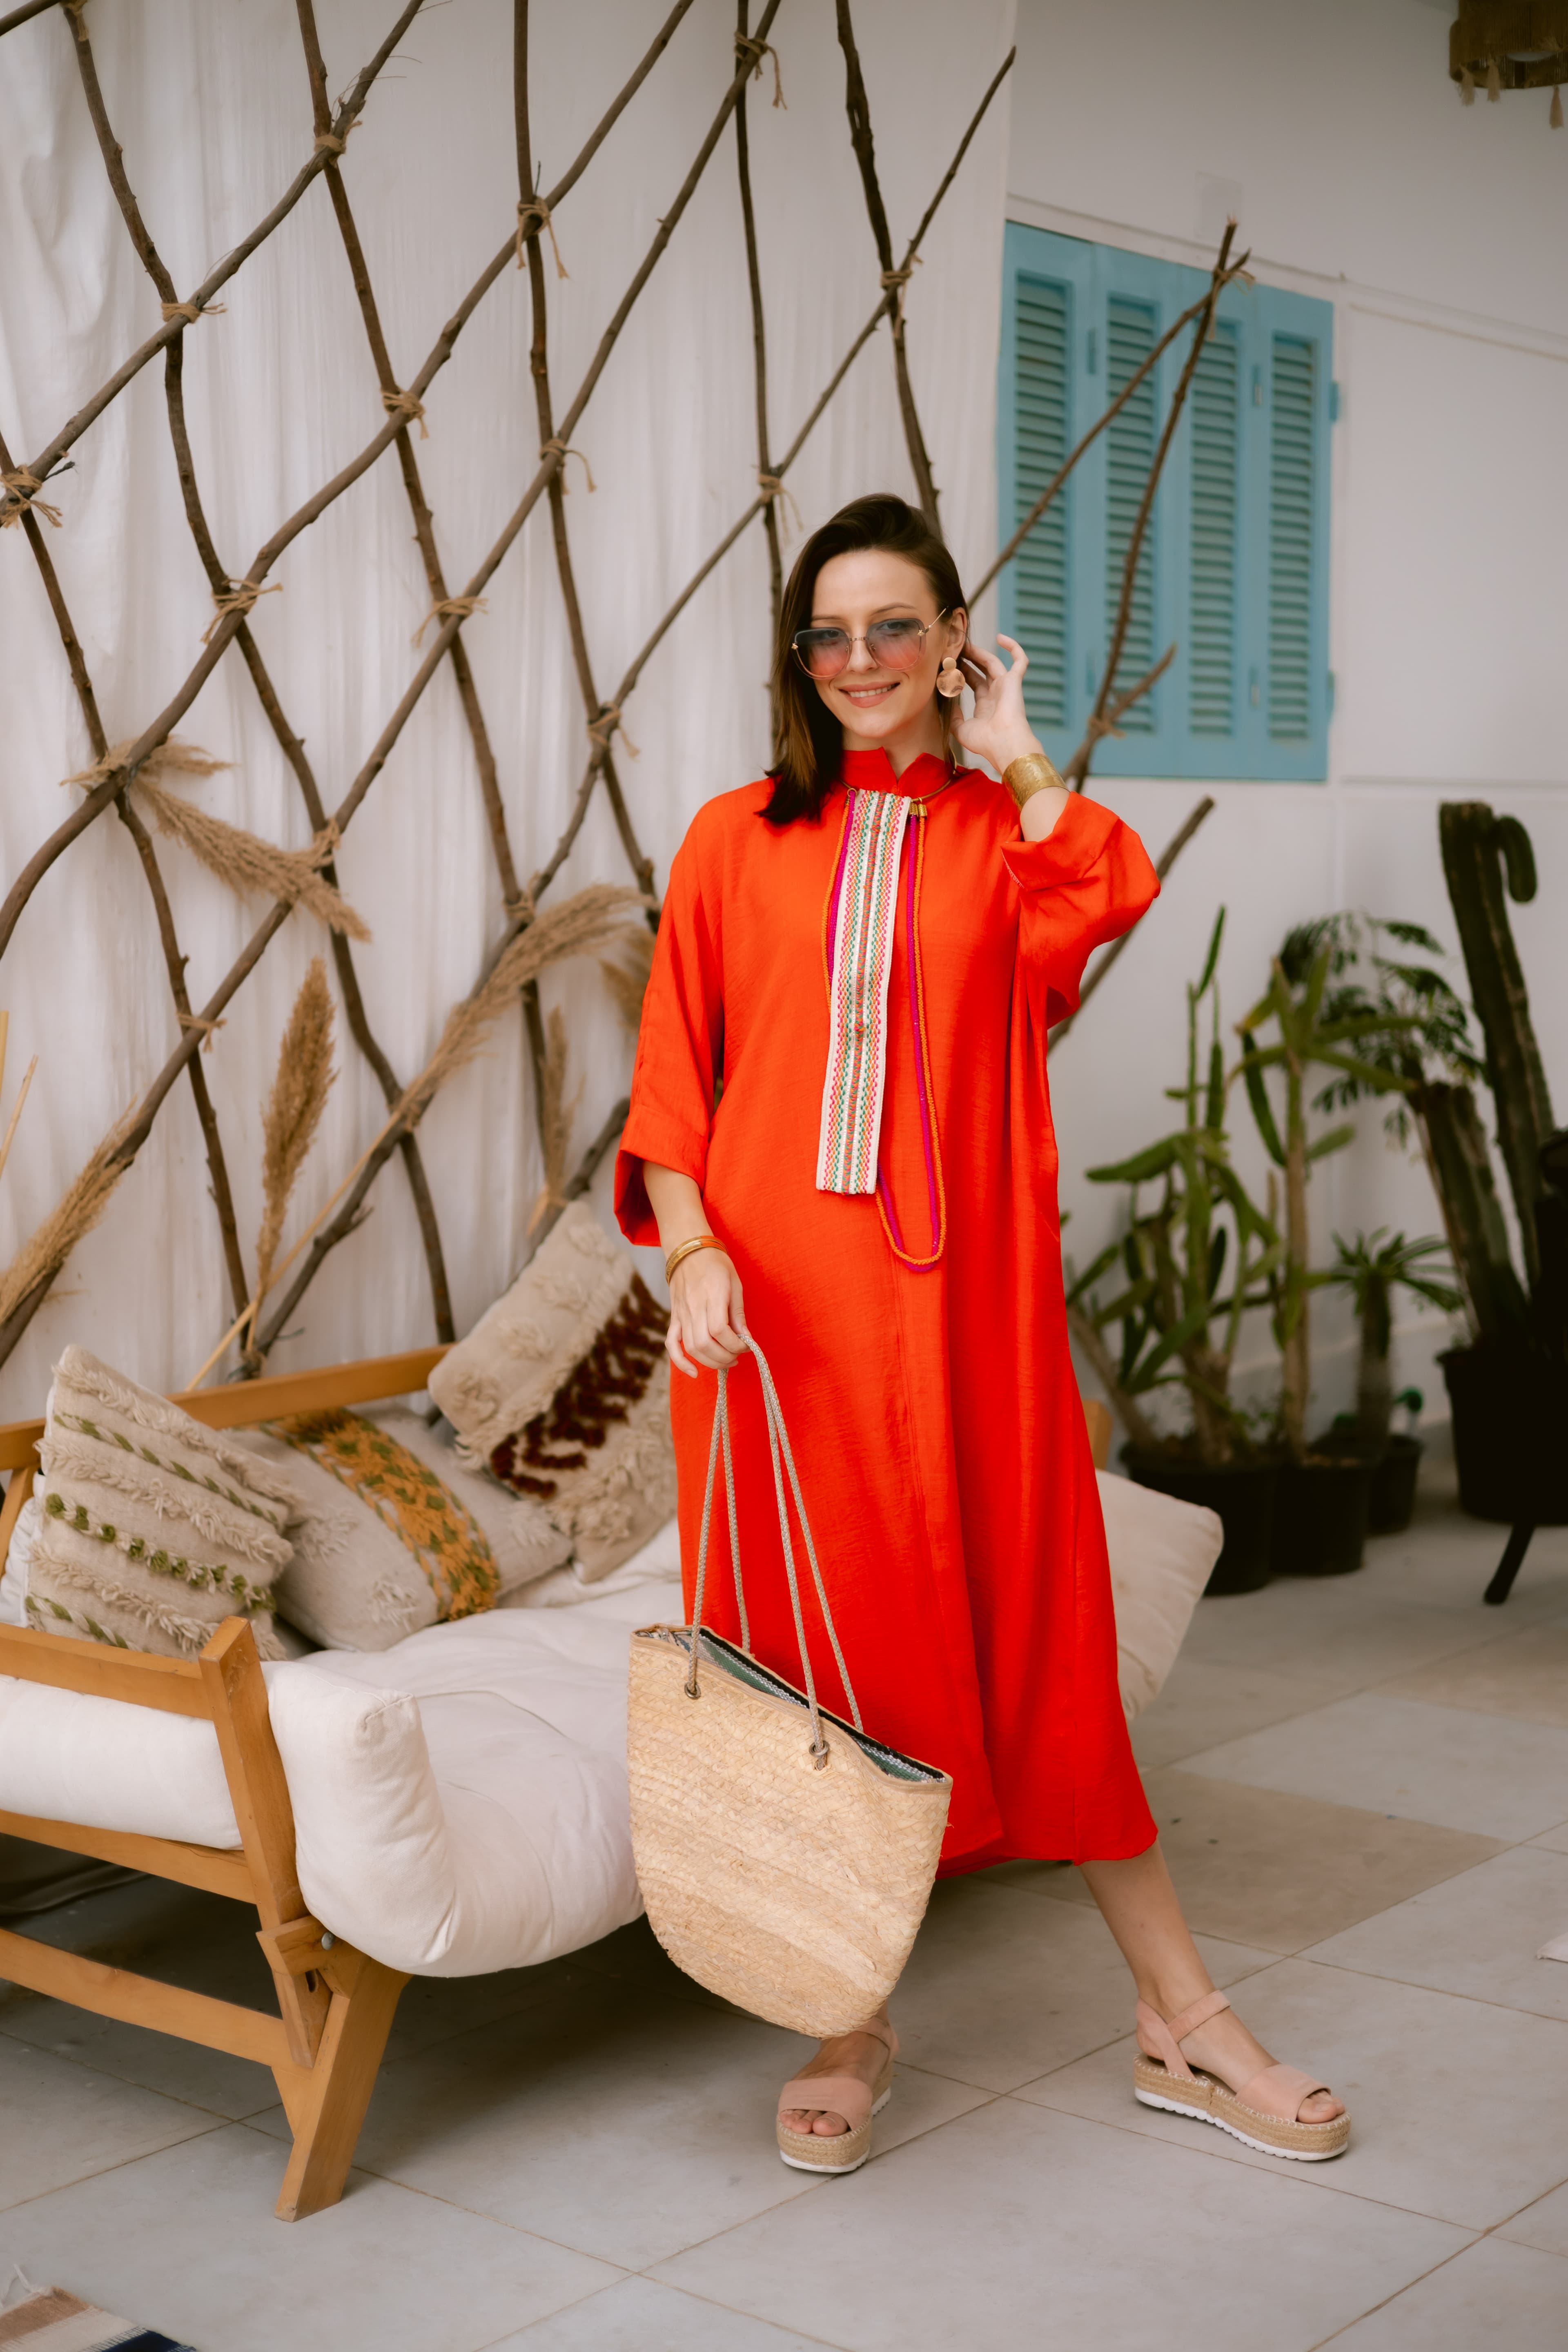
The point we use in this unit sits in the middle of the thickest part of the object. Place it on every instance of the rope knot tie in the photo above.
(1097, 726)
(532, 217)
(560, 450)
(237, 599)
(191, 311)
(412, 411)
(601, 729)
(326, 844)
(196, 1021)
(897, 280)
(332, 143)
(450, 608)
(751, 52)
(26, 486)
(774, 487)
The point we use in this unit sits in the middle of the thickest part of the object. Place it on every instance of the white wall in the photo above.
(1335, 134)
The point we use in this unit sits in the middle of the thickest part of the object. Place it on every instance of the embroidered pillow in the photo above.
(150, 1528)
(562, 1390)
(391, 1532)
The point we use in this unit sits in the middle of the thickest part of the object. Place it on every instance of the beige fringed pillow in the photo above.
(151, 1530)
(390, 1532)
(562, 1390)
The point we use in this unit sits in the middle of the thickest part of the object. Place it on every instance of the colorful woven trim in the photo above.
(408, 1498)
(860, 959)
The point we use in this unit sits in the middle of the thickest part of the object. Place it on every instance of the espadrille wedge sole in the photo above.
(1264, 2113)
(837, 2095)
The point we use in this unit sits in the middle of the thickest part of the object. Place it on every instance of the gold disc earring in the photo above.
(949, 677)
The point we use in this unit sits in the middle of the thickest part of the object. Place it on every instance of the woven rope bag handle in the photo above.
(783, 1461)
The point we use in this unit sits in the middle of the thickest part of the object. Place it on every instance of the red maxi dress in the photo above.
(934, 1415)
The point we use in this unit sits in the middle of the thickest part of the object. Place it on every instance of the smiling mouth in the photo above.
(866, 695)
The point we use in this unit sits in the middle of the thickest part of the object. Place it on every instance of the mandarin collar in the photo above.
(872, 771)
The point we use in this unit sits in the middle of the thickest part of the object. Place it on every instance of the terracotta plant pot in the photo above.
(1511, 1410)
(1242, 1493)
(1320, 1514)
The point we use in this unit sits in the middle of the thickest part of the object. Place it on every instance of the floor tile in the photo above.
(1555, 1839)
(63, 2122)
(640, 2315)
(1281, 1872)
(1330, 1631)
(186, 2241)
(1542, 2224)
(1523, 1674)
(1001, 1986)
(1491, 2293)
(1476, 1934)
(612, 2121)
(1457, 2105)
(210, 2079)
(1202, 1704)
(1485, 1773)
(1446, 1560)
(1071, 2234)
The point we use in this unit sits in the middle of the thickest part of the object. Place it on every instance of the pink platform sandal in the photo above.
(837, 2095)
(1263, 2113)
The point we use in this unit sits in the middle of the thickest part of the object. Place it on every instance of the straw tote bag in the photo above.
(785, 1857)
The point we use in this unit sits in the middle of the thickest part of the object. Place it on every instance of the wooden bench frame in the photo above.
(335, 2004)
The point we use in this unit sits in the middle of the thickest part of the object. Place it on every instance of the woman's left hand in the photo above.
(999, 730)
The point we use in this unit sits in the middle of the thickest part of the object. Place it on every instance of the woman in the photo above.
(856, 1150)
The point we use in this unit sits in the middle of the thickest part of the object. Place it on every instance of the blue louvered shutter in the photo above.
(1234, 567)
(1041, 408)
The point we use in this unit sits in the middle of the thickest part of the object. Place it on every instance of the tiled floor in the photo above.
(1363, 1786)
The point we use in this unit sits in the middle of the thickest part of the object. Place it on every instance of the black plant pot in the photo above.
(1242, 1493)
(1393, 1503)
(1321, 1512)
(1393, 1473)
(1510, 1416)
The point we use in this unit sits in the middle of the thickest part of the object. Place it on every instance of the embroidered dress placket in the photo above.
(866, 890)
(868, 866)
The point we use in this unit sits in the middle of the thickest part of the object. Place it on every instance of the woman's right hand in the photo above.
(707, 1316)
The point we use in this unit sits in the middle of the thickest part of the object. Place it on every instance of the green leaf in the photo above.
(1141, 1167)
(1379, 1081)
(1213, 956)
(1334, 1140)
(1257, 1095)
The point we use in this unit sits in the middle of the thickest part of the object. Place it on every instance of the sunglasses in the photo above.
(897, 644)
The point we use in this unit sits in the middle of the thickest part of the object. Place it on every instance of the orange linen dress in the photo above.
(934, 1417)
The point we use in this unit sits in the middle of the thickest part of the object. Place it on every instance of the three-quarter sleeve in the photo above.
(1084, 884)
(679, 1049)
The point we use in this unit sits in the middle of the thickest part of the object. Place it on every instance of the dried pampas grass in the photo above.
(626, 974)
(293, 1111)
(68, 1222)
(579, 926)
(243, 860)
(555, 1117)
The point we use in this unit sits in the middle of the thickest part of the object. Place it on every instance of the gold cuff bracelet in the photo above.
(685, 1249)
(1030, 774)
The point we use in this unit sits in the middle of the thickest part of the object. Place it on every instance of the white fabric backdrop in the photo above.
(211, 104)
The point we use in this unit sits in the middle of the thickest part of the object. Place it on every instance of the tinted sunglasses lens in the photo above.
(823, 652)
(895, 645)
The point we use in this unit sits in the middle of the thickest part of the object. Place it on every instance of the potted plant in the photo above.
(1177, 1328)
(1509, 1386)
(1324, 1497)
(1372, 1269)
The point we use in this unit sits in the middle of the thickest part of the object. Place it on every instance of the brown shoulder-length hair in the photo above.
(809, 744)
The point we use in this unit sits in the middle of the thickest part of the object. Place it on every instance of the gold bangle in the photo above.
(685, 1249)
(1029, 774)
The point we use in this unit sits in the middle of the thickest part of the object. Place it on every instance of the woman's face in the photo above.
(872, 700)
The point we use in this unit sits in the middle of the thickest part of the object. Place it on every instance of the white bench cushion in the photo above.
(460, 1799)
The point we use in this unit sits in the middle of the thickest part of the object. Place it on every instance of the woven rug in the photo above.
(53, 2321)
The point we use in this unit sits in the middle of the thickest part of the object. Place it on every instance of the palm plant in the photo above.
(1372, 1269)
(1174, 1257)
(1311, 1030)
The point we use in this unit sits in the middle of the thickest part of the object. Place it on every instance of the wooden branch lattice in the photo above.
(399, 410)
